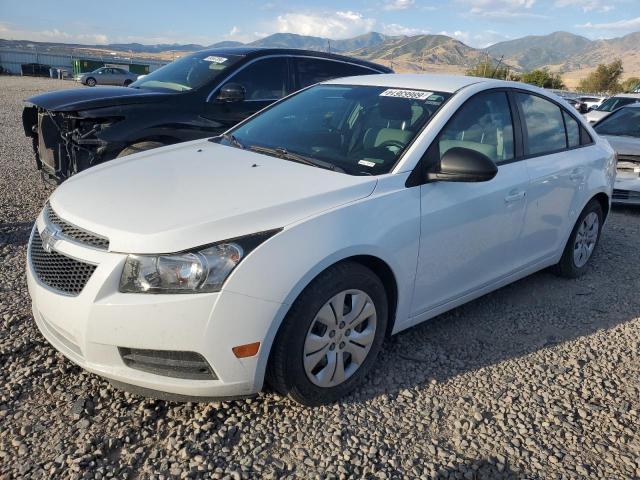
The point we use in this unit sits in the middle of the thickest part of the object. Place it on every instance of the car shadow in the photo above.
(534, 313)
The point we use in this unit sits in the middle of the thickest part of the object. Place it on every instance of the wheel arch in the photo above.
(379, 266)
(604, 201)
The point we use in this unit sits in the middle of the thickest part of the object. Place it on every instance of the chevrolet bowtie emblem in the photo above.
(50, 236)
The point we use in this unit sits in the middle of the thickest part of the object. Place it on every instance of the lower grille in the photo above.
(58, 271)
(168, 363)
(625, 195)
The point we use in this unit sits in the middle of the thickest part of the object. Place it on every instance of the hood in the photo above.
(74, 99)
(183, 196)
(629, 146)
(595, 115)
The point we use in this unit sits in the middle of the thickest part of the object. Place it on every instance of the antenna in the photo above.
(497, 66)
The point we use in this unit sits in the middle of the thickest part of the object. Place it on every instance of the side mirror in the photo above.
(231, 92)
(460, 164)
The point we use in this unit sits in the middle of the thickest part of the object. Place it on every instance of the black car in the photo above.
(199, 95)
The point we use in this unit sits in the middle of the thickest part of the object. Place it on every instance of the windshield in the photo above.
(614, 103)
(361, 130)
(187, 73)
(625, 122)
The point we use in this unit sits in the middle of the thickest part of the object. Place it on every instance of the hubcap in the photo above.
(339, 338)
(586, 239)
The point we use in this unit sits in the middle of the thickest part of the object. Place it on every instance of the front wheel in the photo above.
(582, 242)
(331, 337)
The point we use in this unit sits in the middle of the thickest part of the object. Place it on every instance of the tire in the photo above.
(139, 147)
(91, 82)
(584, 238)
(315, 378)
(127, 83)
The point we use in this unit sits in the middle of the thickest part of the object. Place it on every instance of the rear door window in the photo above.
(315, 70)
(573, 130)
(543, 125)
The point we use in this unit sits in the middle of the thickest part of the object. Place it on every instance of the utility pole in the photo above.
(328, 45)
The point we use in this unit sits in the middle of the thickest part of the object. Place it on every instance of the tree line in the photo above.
(606, 78)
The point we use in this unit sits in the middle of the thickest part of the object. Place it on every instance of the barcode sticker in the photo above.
(411, 94)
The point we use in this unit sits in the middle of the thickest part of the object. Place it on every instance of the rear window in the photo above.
(544, 125)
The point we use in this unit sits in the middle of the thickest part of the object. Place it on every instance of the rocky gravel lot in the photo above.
(538, 380)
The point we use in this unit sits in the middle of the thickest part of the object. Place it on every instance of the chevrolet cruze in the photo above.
(287, 249)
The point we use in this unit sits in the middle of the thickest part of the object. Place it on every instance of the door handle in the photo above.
(514, 196)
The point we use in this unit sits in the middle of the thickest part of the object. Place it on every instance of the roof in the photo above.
(263, 51)
(628, 95)
(420, 81)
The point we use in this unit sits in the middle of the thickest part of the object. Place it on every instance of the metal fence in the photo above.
(11, 60)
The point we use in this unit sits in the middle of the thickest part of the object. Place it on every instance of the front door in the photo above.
(264, 81)
(469, 232)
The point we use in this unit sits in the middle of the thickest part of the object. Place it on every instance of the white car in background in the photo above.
(591, 101)
(291, 246)
(622, 130)
(611, 104)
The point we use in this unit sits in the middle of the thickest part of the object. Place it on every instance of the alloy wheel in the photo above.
(339, 338)
(586, 239)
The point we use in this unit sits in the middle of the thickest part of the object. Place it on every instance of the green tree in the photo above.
(488, 69)
(543, 78)
(630, 84)
(605, 78)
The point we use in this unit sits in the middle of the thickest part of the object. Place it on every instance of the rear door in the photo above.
(311, 70)
(264, 80)
(552, 139)
(469, 232)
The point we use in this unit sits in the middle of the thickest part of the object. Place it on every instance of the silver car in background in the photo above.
(622, 129)
(108, 76)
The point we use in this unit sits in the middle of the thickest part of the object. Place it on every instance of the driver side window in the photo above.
(483, 124)
(264, 79)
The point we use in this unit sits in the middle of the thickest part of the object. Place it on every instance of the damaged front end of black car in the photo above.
(65, 143)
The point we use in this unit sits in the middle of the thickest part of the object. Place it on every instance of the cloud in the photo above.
(336, 25)
(629, 25)
(399, 4)
(51, 35)
(395, 30)
(501, 9)
(481, 39)
(587, 5)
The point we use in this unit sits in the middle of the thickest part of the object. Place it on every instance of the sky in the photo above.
(478, 23)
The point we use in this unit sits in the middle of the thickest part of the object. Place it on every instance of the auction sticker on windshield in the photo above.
(214, 59)
(412, 94)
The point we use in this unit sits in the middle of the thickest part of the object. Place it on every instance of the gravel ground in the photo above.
(537, 380)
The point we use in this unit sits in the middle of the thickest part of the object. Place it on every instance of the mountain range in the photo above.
(571, 55)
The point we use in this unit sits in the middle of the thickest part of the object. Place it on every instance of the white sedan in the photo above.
(291, 246)
(622, 130)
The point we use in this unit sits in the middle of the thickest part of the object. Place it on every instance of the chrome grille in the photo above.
(58, 271)
(74, 233)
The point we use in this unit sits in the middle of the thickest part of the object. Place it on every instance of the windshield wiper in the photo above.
(283, 153)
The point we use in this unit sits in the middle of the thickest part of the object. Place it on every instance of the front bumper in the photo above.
(90, 327)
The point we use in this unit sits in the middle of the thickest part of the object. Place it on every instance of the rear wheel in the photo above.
(331, 336)
(91, 82)
(139, 147)
(582, 242)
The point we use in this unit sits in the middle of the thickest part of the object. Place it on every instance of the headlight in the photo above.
(197, 271)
